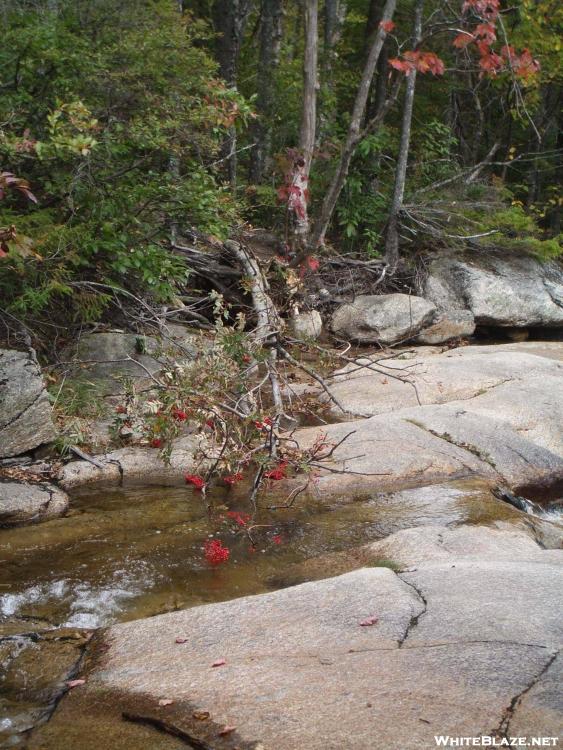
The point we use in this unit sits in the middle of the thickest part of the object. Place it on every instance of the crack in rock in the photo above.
(503, 728)
(414, 617)
(11, 421)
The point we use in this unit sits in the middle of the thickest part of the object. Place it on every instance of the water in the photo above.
(121, 554)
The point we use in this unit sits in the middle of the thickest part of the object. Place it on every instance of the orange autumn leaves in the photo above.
(481, 37)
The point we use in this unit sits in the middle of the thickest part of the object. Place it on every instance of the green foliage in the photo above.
(113, 113)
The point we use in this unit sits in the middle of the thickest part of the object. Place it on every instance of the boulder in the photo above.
(105, 359)
(308, 325)
(516, 291)
(450, 324)
(23, 503)
(25, 412)
(134, 464)
(297, 669)
(384, 319)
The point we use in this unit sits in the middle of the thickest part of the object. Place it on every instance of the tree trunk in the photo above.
(392, 233)
(334, 15)
(354, 133)
(308, 129)
(269, 54)
(230, 17)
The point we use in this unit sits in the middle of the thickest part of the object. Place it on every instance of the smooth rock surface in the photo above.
(307, 325)
(25, 412)
(500, 290)
(494, 412)
(450, 324)
(385, 318)
(22, 503)
(455, 375)
(423, 544)
(462, 646)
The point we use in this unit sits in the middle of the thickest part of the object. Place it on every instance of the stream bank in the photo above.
(126, 551)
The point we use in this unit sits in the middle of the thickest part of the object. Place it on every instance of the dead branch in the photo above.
(268, 320)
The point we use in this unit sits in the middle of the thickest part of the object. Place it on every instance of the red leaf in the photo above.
(402, 65)
(462, 40)
(75, 683)
(216, 553)
(486, 31)
(219, 663)
(428, 62)
(387, 26)
(197, 481)
(181, 640)
(226, 730)
(369, 621)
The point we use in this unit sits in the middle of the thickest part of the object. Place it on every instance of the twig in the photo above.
(165, 726)
(86, 457)
(313, 374)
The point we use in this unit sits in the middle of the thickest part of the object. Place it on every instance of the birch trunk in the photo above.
(392, 233)
(307, 132)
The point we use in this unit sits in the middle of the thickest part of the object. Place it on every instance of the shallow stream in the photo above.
(126, 553)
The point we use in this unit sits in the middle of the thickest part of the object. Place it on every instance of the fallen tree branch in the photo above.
(168, 728)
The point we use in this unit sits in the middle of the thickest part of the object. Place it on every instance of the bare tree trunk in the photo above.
(392, 233)
(308, 129)
(334, 15)
(270, 45)
(230, 17)
(354, 131)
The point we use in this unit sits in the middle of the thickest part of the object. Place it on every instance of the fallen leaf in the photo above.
(226, 730)
(181, 640)
(201, 715)
(75, 683)
(165, 702)
(219, 663)
(369, 621)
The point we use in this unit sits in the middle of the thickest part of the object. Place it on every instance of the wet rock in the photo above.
(451, 622)
(451, 324)
(25, 411)
(500, 290)
(384, 319)
(308, 325)
(511, 454)
(23, 503)
(135, 464)
(34, 670)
